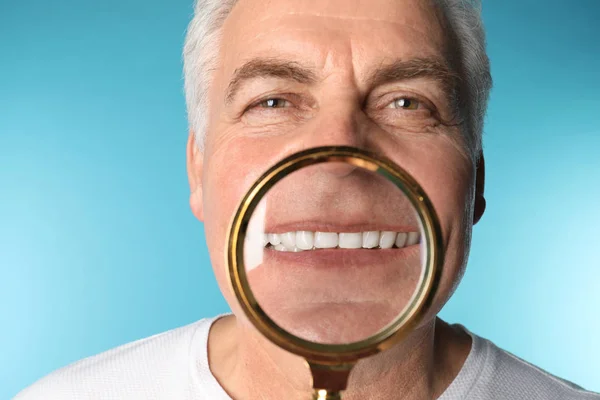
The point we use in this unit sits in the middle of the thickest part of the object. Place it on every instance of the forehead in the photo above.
(334, 32)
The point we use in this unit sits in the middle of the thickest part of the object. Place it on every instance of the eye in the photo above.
(405, 103)
(273, 103)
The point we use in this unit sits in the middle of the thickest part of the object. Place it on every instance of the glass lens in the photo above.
(334, 253)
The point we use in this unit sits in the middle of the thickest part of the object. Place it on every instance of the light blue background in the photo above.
(97, 243)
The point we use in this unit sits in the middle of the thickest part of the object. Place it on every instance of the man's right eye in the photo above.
(273, 103)
(276, 108)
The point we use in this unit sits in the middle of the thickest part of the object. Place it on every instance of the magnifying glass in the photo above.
(334, 255)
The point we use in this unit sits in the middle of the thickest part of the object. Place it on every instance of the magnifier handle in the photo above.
(322, 394)
(333, 377)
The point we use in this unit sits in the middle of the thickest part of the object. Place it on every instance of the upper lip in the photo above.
(321, 226)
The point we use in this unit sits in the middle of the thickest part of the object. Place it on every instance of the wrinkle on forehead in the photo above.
(367, 9)
(421, 15)
(275, 29)
(343, 17)
(398, 21)
(263, 21)
(341, 38)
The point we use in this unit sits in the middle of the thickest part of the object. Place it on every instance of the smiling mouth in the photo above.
(297, 241)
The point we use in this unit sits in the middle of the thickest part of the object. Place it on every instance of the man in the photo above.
(408, 79)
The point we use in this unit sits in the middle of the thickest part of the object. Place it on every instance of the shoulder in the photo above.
(150, 368)
(504, 376)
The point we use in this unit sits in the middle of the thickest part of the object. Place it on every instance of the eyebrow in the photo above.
(399, 70)
(265, 68)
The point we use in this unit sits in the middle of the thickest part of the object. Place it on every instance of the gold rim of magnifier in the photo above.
(393, 332)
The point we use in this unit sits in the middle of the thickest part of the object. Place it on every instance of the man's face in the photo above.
(304, 73)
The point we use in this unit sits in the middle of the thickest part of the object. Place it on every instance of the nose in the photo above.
(337, 169)
(338, 127)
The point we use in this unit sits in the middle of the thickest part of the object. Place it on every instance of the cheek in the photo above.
(231, 167)
(451, 194)
(224, 185)
(448, 179)
(451, 188)
(445, 175)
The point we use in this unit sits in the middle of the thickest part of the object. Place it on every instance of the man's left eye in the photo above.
(405, 103)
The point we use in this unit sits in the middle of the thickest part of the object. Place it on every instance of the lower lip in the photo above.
(339, 258)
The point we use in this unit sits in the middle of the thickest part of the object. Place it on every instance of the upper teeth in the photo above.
(307, 240)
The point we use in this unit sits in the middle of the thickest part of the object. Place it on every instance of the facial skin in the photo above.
(334, 95)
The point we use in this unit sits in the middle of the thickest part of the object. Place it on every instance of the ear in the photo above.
(195, 164)
(479, 187)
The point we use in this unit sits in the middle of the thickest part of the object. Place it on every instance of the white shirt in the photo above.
(174, 366)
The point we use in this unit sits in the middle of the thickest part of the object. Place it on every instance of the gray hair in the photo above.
(465, 24)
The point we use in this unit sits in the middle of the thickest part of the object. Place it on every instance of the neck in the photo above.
(422, 366)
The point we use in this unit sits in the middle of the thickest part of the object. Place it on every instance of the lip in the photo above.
(339, 258)
(312, 226)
